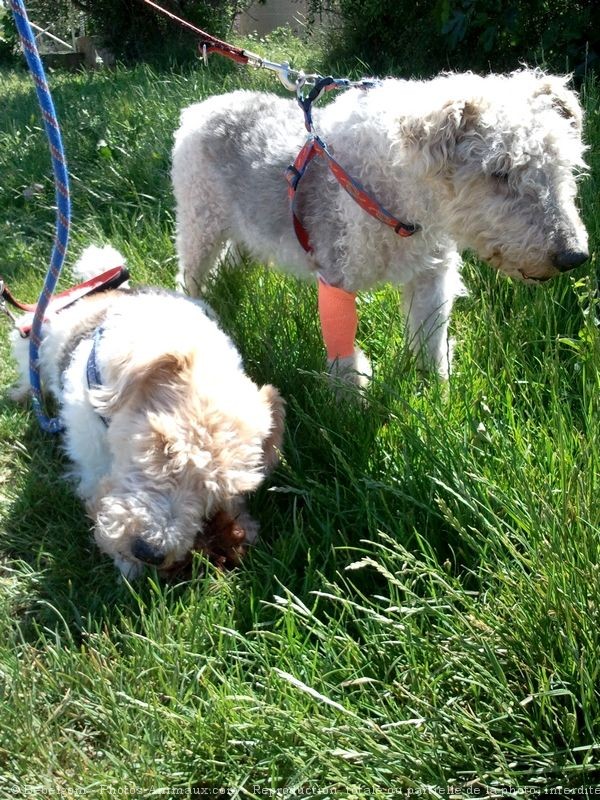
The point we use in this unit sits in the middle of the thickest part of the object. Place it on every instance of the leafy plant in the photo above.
(563, 35)
(381, 35)
(8, 38)
(134, 30)
(426, 36)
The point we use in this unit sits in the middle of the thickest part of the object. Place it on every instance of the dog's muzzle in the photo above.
(148, 553)
(569, 259)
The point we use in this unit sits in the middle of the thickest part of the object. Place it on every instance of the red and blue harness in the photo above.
(315, 146)
(337, 307)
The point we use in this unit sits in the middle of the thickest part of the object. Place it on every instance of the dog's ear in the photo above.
(436, 135)
(140, 376)
(562, 99)
(229, 455)
(273, 441)
(172, 449)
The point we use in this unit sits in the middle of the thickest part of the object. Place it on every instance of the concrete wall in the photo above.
(262, 18)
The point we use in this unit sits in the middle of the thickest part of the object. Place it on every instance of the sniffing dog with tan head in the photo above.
(162, 425)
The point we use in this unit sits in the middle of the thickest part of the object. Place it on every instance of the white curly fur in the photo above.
(486, 163)
(188, 432)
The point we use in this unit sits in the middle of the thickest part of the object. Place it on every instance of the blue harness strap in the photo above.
(92, 370)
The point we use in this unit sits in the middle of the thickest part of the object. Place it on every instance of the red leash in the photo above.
(211, 43)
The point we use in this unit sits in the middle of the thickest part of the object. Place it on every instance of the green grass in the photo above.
(422, 608)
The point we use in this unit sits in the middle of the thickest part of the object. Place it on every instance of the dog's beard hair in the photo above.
(506, 162)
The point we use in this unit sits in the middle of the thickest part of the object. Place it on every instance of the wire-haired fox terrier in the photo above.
(484, 163)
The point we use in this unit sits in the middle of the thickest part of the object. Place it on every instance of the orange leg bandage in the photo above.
(339, 320)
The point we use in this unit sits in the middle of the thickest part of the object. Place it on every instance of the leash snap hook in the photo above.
(283, 73)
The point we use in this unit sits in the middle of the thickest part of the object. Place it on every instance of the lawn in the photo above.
(421, 612)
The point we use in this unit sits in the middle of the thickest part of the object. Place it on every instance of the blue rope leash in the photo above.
(63, 205)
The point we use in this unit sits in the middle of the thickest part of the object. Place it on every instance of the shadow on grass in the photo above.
(350, 470)
(47, 530)
(314, 513)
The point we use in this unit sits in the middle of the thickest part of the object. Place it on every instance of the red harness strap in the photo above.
(294, 173)
(100, 283)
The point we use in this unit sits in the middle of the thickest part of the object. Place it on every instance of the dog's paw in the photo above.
(351, 372)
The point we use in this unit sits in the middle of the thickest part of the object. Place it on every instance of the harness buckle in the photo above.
(406, 229)
(292, 175)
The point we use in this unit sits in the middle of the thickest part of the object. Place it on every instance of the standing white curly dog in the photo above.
(486, 163)
(162, 425)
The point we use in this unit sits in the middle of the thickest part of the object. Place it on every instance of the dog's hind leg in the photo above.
(200, 243)
(202, 220)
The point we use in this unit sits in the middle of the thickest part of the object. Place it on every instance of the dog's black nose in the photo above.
(569, 259)
(148, 553)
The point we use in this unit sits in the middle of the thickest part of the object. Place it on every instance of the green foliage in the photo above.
(134, 31)
(55, 16)
(380, 36)
(8, 38)
(425, 36)
(562, 34)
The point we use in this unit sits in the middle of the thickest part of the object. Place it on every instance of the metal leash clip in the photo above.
(289, 77)
(284, 74)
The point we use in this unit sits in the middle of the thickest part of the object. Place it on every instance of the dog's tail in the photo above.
(95, 260)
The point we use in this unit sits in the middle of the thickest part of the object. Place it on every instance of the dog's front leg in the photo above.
(339, 322)
(20, 390)
(427, 303)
